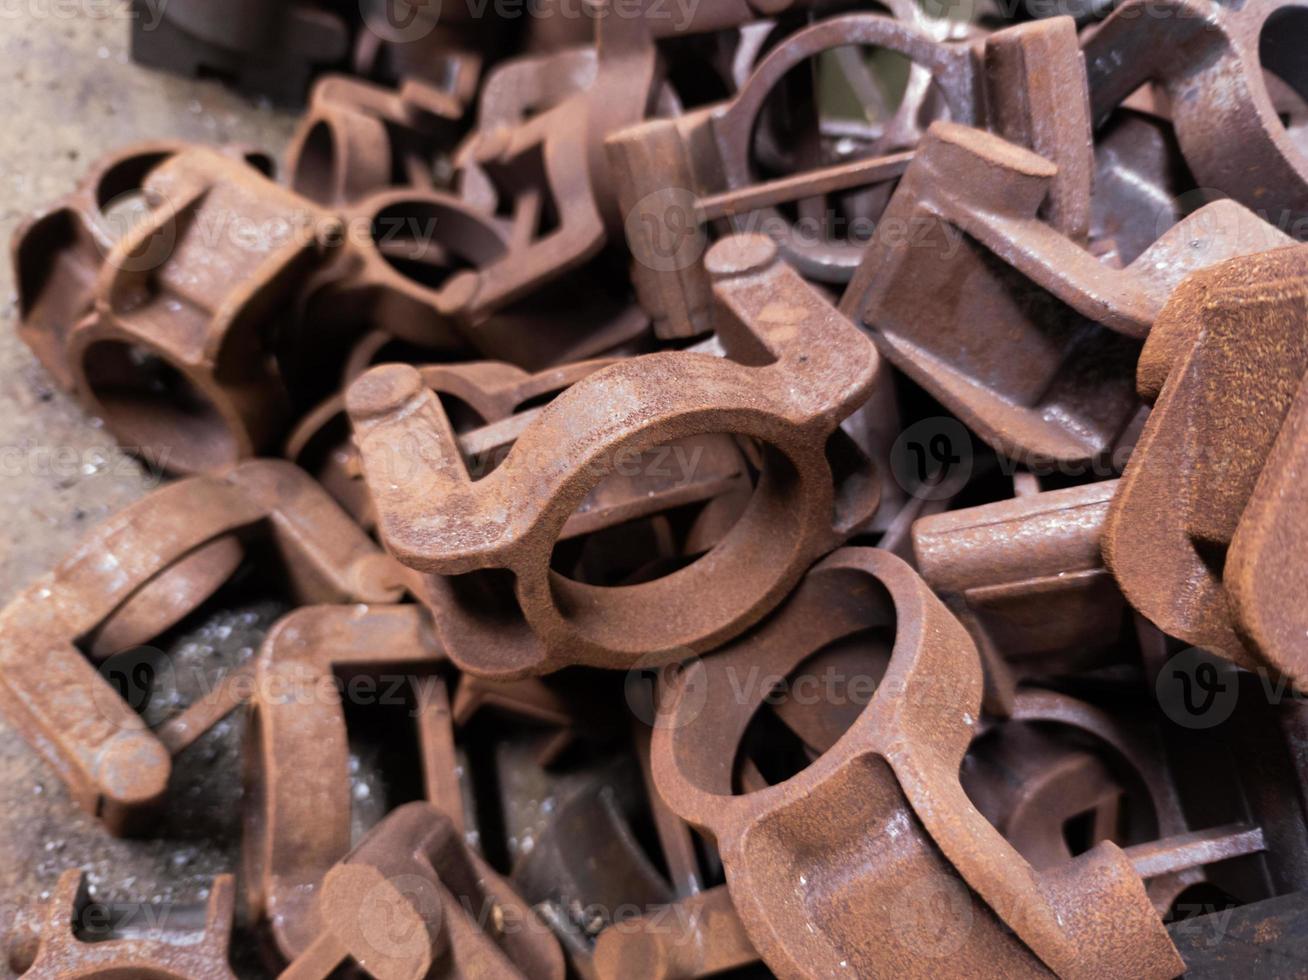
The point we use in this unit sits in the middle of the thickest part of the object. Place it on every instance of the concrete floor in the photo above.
(70, 94)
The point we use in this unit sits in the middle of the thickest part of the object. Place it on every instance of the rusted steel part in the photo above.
(1030, 572)
(1195, 848)
(297, 809)
(697, 936)
(675, 836)
(114, 767)
(513, 92)
(491, 389)
(539, 175)
(190, 951)
(1139, 185)
(530, 700)
(524, 86)
(167, 598)
(674, 175)
(1037, 97)
(434, 44)
(269, 49)
(886, 804)
(681, 173)
(174, 355)
(705, 467)
(407, 272)
(58, 253)
(1029, 778)
(1030, 786)
(1202, 534)
(1035, 355)
(1139, 749)
(818, 368)
(584, 866)
(398, 274)
(412, 901)
(549, 170)
(1211, 61)
(356, 136)
(841, 675)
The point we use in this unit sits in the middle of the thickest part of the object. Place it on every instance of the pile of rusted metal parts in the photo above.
(888, 522)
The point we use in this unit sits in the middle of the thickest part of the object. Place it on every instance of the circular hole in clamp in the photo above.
(706, 482)
(805, 713)
(988, 775)
(119, 194)
(700, 599)
(126, 176)
(1285, 69)
(149, 403)
(429, 242)
(856, 93)
(786, 693)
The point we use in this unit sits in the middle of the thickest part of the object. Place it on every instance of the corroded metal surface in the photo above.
(412, 877)
(894, 774)
(1211, 492)
(115, 767)
(170, 953)
(819, 368)
(865, 617)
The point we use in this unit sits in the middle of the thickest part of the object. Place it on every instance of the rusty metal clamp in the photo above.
(1029, 574)
(492, 391)
(827, 867)
(674, 175)
(1203, 533)
(176, 355)
(356, 138)
(1068, 759)
(269, 49)
(1014, 327)
(677, 174)
(549, 171)
(411, 900)
(412, 265)
(163, 954)
(438, 43)
(1212, 62)
(297, 782)
(541, 177)
(407, 268)
(585, 865)
(484, 547)
(58, 253)
(133, 577)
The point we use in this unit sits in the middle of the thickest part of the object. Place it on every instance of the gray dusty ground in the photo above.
(69, 94)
